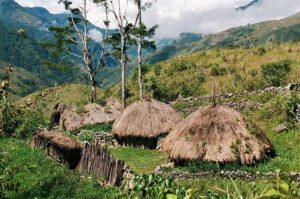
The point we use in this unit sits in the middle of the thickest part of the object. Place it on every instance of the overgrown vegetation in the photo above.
(234, 69)
(27, 173)
(276, 73)
(98, 127)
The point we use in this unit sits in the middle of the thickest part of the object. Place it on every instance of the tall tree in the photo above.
(143, 37)
(119, 11)
(76, 42)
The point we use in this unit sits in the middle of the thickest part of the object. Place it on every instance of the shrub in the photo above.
(276, 73)
(157, 69)
(160, 92)
(216, 70)
(201, 77)
(260, 51)
(185, 90)
(179, 66)
(9, 117)
(29, 122)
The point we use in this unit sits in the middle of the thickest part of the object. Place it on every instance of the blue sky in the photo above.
(200, 16)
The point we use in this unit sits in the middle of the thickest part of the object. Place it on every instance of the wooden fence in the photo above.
(94, 160)
(98, 162)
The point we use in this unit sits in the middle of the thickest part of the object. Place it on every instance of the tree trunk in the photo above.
(140, 68)
(139, 46)
(123, 67)
(94, 89)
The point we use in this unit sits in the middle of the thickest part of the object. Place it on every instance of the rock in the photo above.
(157, 169)
(168, 165)
(280, 128)
(293, 87)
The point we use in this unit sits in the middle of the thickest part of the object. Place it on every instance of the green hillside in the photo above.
(233, 69)
(276, 31)
(22, 81)
(44, 100)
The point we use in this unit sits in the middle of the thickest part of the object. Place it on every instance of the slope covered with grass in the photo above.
(27, 173)
(231, 69)
(44, 100)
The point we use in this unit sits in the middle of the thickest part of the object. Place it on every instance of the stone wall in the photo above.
(243, 106)
(298, 114)
(101, 138)
(294, 176)
(223, 96)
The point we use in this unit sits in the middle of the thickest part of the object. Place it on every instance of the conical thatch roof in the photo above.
(219, 134)
(146, 119)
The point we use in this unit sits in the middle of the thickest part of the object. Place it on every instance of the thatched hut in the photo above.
(143, 122)
(218, 134)
(69, 119)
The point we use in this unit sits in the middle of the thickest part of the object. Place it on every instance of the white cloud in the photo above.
(96, 35)
(202, 16)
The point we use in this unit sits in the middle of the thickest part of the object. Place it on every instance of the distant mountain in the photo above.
(35, 20)
(30, 56)
(250, 4)
(276, 31)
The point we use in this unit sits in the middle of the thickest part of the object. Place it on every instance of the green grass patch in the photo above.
(27, 173)
(98, 127)
(139, 160)
(248, 189)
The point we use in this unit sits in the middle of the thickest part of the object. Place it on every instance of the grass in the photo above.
(44, 100)
(180, 75)
(98, 127)
(246, 188)
(139, 160)
(27, 173)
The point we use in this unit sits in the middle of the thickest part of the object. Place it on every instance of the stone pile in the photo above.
(102, 138)
(295, 176)
(222, 96)
(298, 114)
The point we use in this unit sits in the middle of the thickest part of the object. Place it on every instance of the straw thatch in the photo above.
(145, 120)
(58, 146)
(218, 134)
(69, 119)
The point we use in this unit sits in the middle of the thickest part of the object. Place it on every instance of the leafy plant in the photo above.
(216, 70)
(158, 187)
(98, 127)
(201, 77)
(276, 73)
(29, 122)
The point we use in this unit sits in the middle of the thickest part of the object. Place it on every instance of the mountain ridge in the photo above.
(273, 31)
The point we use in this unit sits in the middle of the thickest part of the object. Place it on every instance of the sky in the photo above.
(198, 16)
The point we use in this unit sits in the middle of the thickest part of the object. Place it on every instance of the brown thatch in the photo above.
(218, 134)
(58, 146)
(146, 119)
(70, 120)
(95, 114)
